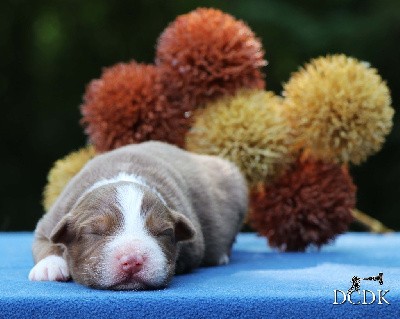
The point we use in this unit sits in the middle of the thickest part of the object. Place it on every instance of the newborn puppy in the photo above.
(135, 216)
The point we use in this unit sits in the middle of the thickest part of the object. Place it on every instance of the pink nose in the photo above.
(131, 263)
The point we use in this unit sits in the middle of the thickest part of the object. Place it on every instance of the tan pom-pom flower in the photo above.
(206, 54)
(62, 172)
(248, 129)
(340, 108)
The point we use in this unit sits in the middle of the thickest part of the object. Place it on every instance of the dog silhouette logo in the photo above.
(356, 288)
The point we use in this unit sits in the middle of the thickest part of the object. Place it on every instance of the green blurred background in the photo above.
(51, 49)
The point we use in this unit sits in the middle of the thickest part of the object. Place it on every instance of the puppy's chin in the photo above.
(123, 285)
(126, 283)
(140, 281)
(137, 282)
(136, 286)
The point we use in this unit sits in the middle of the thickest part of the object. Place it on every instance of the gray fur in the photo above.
(209, 191)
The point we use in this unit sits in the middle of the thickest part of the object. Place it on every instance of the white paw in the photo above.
(223, 260)
(51, 268)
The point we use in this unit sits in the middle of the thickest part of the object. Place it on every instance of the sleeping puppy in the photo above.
(135, 216)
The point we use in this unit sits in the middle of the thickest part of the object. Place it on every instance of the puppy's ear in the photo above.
(184, 229)
(62, 233)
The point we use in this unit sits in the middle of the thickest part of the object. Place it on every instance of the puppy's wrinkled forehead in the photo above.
(121, 206)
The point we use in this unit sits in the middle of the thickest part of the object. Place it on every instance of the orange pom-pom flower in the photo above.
(113, 105)
(127, 105)
(206, 54)
(308, 206)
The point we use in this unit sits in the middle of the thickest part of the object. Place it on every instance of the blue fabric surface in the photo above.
(258, 283)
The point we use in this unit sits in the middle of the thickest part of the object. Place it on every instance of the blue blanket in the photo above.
(258, 283)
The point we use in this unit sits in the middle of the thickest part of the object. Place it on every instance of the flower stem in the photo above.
(372, 224)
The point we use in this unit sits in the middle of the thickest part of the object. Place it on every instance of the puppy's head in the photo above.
(121, 236)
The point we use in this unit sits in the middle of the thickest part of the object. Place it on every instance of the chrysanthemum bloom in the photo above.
(248, 129)
(340, 108)
(62, 172)
(206, 54)
(307, 206)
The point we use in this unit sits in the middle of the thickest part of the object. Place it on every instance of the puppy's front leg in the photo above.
(50, 265)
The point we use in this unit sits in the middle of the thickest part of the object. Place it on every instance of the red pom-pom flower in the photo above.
(309, 205)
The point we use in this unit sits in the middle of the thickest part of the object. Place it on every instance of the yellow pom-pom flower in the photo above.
(62, 172)
(248, 129)
(340, 109)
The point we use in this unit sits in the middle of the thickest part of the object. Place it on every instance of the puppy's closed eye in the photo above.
(92, 232)
(99, 226)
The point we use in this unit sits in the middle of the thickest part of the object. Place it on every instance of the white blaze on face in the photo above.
(134, 239)
(130, 199)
